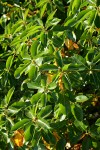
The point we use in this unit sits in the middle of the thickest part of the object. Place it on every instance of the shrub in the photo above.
(49, 74)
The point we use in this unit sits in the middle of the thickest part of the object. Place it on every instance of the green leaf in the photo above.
(18, 104)
(81, 98)
(83, 14)
(9, 95)
(17, 26)
(43, 123)
(67, 82)
(45, 111)
(25, 14)
(70, 21)
(65, 67)
(51, 49)
(34, 47)
(35, 98)
(48, 67)
(15, 41)
(52, 22)
(20, 124)
(58, 58)
(19, 71)
(28, 133)
(92, 17)
(52, 85)
(43, 39)
(97, 123)
(29, 32)
(43, 10)
(50, 17)
(13, 110)
(41, 3)
(98, 130)
(77, 112)
(96, 59)
(74, 67)
(34, 85)
(24, 52)
(9, 62)
(62, 109)
(57, 41)
(75, 5)
(80, 125)
(32, 72)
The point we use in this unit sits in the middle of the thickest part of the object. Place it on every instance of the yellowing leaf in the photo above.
(18, 138)
(49, 78)
(75, 46)
(69, 44)
(47, 145)
(56, 136)
(60, 83)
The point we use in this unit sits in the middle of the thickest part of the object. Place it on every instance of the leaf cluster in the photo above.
(50, 74)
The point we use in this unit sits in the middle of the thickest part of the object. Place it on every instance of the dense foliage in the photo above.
(49, 74)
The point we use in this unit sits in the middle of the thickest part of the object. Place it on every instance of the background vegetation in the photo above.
(49, 74)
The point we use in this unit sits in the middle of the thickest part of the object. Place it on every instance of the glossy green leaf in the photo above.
(92, 17)
(97, 122)
(77, 112)
(96, 59)
(45, 111)
(29, 32)
(43, 123)
(35, 98)
(20, 124)
(83, 14)
(81, 98)
(57, 41)
(80, 125)
(47, 67)
(24, 52)
(43, 39)
(71, 21)
(66, 82)
(17, 27)
(75, 5)
(50, 17)
(43, 9)
(28, 133)
(32, 72)
(58, 58)
(9, 62)
(34, 85)
(98, 130)
(19, 71)
(53, 22)
(52, 85)
(33, 49)
(41, 3)
(18, 104)
(9, 95)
